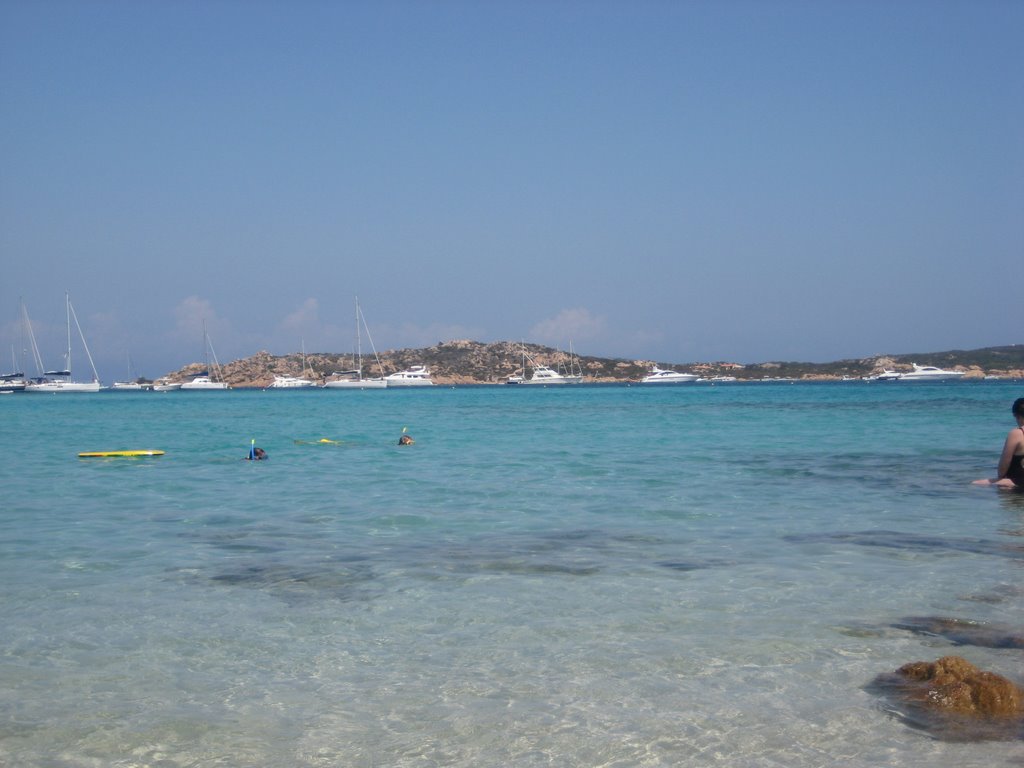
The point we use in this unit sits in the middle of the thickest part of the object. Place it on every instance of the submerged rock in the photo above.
(963, 632)
(954, 700)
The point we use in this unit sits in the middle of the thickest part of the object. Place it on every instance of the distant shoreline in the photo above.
(471, 363)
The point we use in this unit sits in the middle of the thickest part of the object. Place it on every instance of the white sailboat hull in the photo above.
(63, 386)
(357, 384)
(203, 382)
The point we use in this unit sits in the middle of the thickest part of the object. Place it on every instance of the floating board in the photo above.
(118, 454)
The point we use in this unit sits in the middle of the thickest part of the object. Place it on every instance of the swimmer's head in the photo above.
(1018, 407)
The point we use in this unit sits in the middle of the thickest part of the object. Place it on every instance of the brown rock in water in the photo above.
(954, 700)
(954, 684)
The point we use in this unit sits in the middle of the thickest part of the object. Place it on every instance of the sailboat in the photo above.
(293, 382)
(60, 381)
(204, 380)
(14, 381)
(132, 384)
(354, 379)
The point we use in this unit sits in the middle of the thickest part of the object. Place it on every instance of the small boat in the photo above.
(166, 385)
(60, 381)
(134, 383)
(13, 382)
(293, 382)
(519, 378)
(290, 382)
(930, 373)
(203, 381)
(543, 374)
(661, 376)
(354, 378)
(888, 375)
(417, 376)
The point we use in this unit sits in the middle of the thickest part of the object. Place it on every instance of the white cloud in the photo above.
(189, 316)
(303, 319)
(569, 325)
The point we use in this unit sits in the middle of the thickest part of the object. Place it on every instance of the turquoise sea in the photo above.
(588, 576)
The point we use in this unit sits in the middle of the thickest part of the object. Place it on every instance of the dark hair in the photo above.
(1018, 407)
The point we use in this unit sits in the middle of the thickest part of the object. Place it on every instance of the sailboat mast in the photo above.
(85, 346)
(36, 357)
(67, 356)
(359, 344)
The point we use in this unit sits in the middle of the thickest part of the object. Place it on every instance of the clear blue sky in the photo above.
(678, 181)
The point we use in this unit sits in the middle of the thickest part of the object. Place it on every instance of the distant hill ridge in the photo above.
(473, 362)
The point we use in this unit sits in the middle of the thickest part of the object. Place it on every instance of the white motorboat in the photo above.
(293, 382)
(543, 374)
(166, 385)
(204, 381)
(888, 375)
(13, 382)
(417, 376)
(290, 382)
(354, 379)
(60, 381)
(520, 377)
(930, 373)
(661, 376)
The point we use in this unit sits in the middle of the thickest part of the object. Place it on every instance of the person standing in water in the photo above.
(1010, 473)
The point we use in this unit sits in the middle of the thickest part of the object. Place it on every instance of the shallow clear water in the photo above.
(592, 576)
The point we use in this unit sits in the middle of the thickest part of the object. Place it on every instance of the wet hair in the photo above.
(1018, 407)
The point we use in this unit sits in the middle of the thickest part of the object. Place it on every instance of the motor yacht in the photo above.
(417, 376)
(542, 374)
(930, 373)
(290, 382)
(661, 376)
(888, 375)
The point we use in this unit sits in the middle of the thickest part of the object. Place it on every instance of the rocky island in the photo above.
(472, 362)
